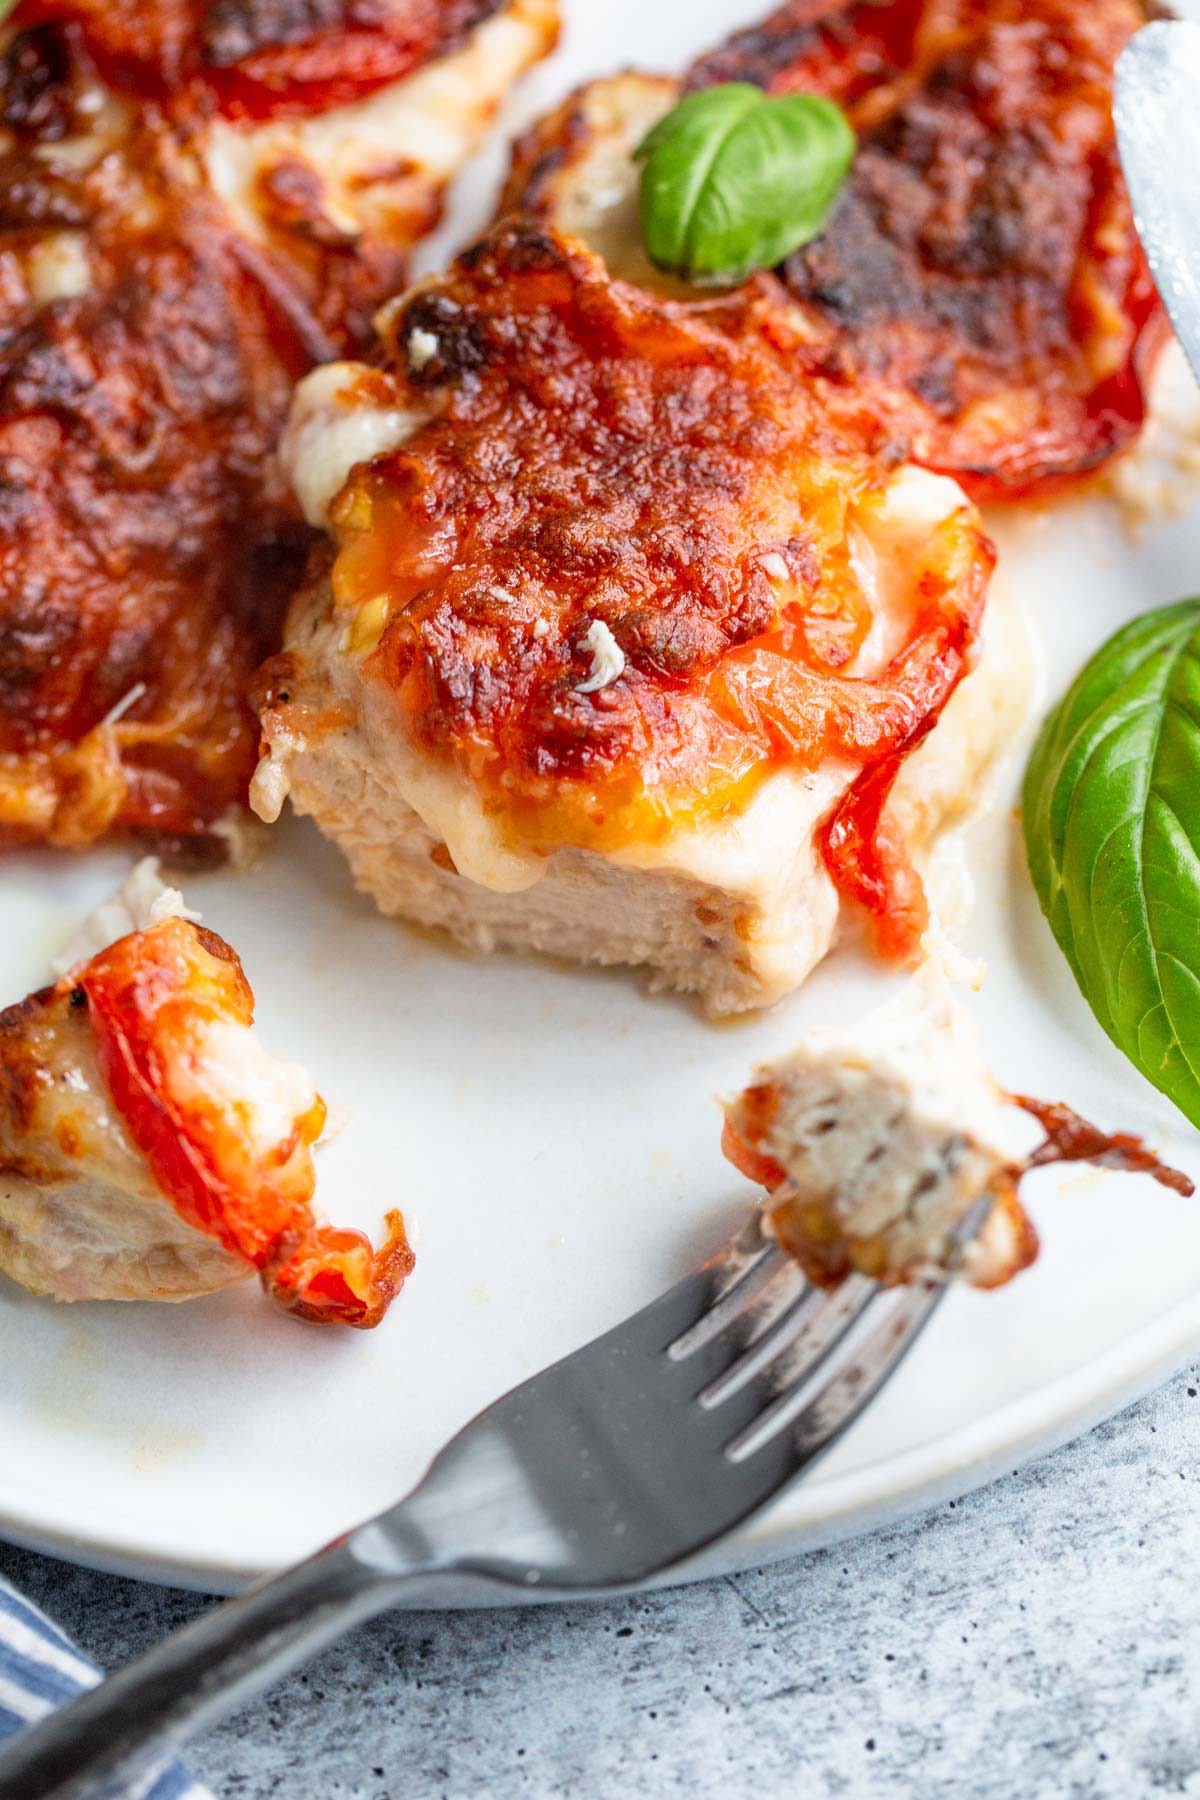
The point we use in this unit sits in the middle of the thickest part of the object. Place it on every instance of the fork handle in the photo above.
(96, 1745)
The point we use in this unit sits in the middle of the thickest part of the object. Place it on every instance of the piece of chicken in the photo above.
(878, 1144)
(620, 645)
(979, 288)
(151, 1149)
(197, 203)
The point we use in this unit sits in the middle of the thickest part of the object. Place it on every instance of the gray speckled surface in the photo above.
(1040, 1638)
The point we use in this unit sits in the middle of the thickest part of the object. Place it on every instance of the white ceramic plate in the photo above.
(553, 1138)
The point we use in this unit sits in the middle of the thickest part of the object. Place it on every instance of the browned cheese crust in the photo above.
(172, 260)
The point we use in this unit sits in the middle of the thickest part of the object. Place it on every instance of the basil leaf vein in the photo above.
(1112, 834)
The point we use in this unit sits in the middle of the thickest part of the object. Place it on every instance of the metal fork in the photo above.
(608, 1469)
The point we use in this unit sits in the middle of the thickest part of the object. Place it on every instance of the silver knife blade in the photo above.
(1157, 113)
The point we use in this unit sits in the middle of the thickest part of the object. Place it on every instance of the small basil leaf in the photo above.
(734, 179)
(1112, 834)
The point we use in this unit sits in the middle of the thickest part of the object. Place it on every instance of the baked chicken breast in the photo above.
(980, 285)
(619, 645)
(152, 1149)
(197, 203)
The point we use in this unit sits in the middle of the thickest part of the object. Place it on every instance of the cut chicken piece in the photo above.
(621, 646)
(891, 1150)
(876, 1145)
(151, 1149)
(979, 291)
(172, 259)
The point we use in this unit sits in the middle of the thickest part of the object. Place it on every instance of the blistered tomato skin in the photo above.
(263, 59)
(330, 1276)
(752, 1163)
(981, 283)
(229, 1146)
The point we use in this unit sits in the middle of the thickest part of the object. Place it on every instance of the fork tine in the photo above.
(817, 1405)
(739, 1274)
(815, 1336)
(603, 1469)
(765, 1346)
(735, 1333)
(821, 1402)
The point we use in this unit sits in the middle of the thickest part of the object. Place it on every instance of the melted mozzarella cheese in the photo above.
(57, 267)
(386, 157)
(142, 900)
(447, 801)
(331, 429)
(608, 658)
(269, 784)
(422, 348)
(268, 1097)
(888, 534)
(593, 196)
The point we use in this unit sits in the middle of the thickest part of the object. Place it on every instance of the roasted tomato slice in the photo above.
(265, 58)
(226, 1128)
(980, 283)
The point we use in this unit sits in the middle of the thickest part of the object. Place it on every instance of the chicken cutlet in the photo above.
(618, 647)
(152, 1149)
(197, 203)
(979, 287)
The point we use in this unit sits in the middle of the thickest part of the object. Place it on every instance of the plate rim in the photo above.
(818, 1513)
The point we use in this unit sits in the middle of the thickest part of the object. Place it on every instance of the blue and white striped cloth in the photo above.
(40, 1668)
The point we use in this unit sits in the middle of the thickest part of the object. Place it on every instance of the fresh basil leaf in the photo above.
(1112, 834)
(734, 179)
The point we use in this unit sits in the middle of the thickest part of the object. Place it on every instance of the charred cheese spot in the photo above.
(981, 280)
(143, 375)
